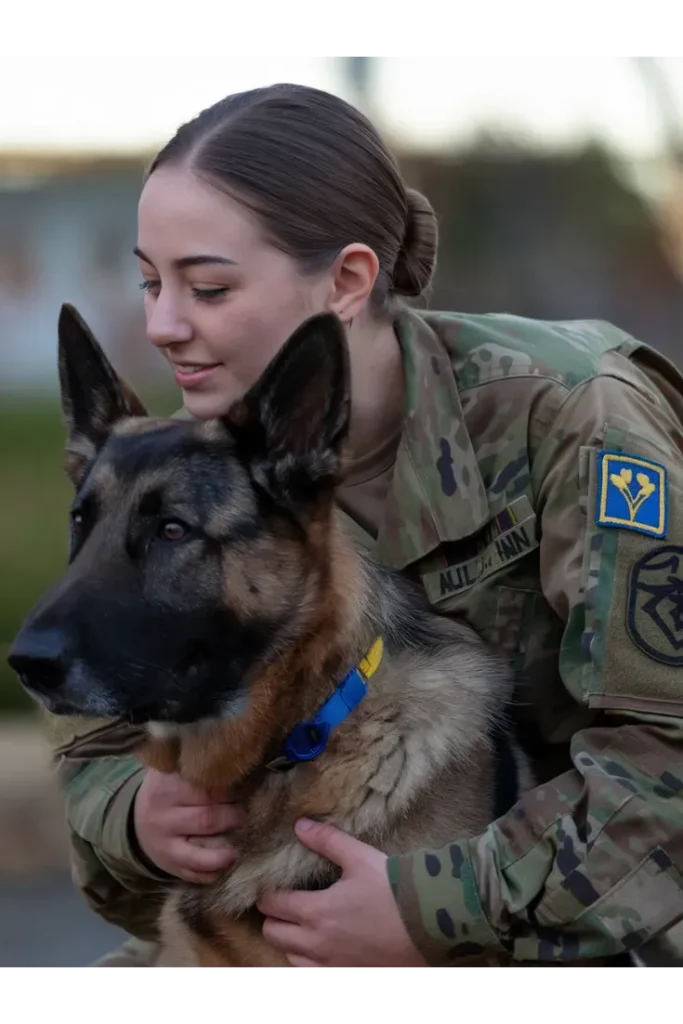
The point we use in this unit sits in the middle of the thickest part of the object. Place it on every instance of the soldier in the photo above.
(529, 473)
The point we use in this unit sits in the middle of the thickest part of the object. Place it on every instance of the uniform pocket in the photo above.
(644, 903)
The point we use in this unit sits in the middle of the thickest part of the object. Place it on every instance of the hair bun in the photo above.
(417, 257)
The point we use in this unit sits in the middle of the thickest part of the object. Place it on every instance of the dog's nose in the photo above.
(39, 657)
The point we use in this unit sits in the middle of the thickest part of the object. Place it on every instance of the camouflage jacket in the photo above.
(538, 489)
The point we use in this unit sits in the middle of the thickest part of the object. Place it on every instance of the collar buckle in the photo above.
(308, 740)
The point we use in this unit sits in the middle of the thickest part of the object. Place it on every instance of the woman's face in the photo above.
(220, 301)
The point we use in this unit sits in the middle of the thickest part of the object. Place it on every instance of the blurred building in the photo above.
(67, 232)
(554, 236)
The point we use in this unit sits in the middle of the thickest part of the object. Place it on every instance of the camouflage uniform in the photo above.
(503, 504)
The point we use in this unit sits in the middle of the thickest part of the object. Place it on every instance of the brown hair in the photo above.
(318, 177)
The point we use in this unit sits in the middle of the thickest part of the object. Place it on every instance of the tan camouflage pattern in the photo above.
(492, 507)
(100, 778)
(588, 864)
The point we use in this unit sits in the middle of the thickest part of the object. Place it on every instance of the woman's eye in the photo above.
(150, 286)
(207, 294)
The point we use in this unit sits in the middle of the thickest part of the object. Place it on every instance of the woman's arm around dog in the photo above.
(133, 831)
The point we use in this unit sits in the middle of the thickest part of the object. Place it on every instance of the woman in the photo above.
(530, 474)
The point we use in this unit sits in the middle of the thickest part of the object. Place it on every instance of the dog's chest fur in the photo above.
(410, 768)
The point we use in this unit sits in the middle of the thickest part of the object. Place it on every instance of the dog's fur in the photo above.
(214, 596)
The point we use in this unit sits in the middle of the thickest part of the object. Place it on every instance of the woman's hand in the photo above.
(182, 830)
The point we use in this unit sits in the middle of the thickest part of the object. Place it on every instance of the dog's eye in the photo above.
(173, 529)
(77, 522)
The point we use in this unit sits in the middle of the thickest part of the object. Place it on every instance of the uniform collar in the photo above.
(437, 493)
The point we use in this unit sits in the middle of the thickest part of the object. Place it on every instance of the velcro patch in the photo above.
(632, 494)
(655, 604)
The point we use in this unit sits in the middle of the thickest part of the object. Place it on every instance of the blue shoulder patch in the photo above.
(632, 494)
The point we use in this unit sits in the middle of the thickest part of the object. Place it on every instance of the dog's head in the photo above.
(197, 548)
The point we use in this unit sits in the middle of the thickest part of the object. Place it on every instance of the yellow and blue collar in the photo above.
(308, 740)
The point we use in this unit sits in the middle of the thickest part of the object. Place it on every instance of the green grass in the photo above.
(33, 519)
(34, 504)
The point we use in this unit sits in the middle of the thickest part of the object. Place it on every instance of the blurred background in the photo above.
(559, 187)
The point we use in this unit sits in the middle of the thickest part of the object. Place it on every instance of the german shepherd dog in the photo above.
(214, 597)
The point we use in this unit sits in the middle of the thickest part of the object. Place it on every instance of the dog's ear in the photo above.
(291, 425)
(93, 397)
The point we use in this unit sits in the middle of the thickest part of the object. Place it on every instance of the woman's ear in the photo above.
(354, 273)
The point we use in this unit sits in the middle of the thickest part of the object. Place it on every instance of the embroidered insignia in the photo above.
(632, 494)
(655, 604)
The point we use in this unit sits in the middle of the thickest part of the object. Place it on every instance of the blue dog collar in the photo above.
(308, 740)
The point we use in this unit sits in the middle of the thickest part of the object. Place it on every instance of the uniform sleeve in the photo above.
(100, 779)
(589, 864)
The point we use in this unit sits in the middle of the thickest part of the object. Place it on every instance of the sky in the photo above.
(110, 103)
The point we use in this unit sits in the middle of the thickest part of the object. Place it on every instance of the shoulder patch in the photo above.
(655, 604)
(632, 494)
